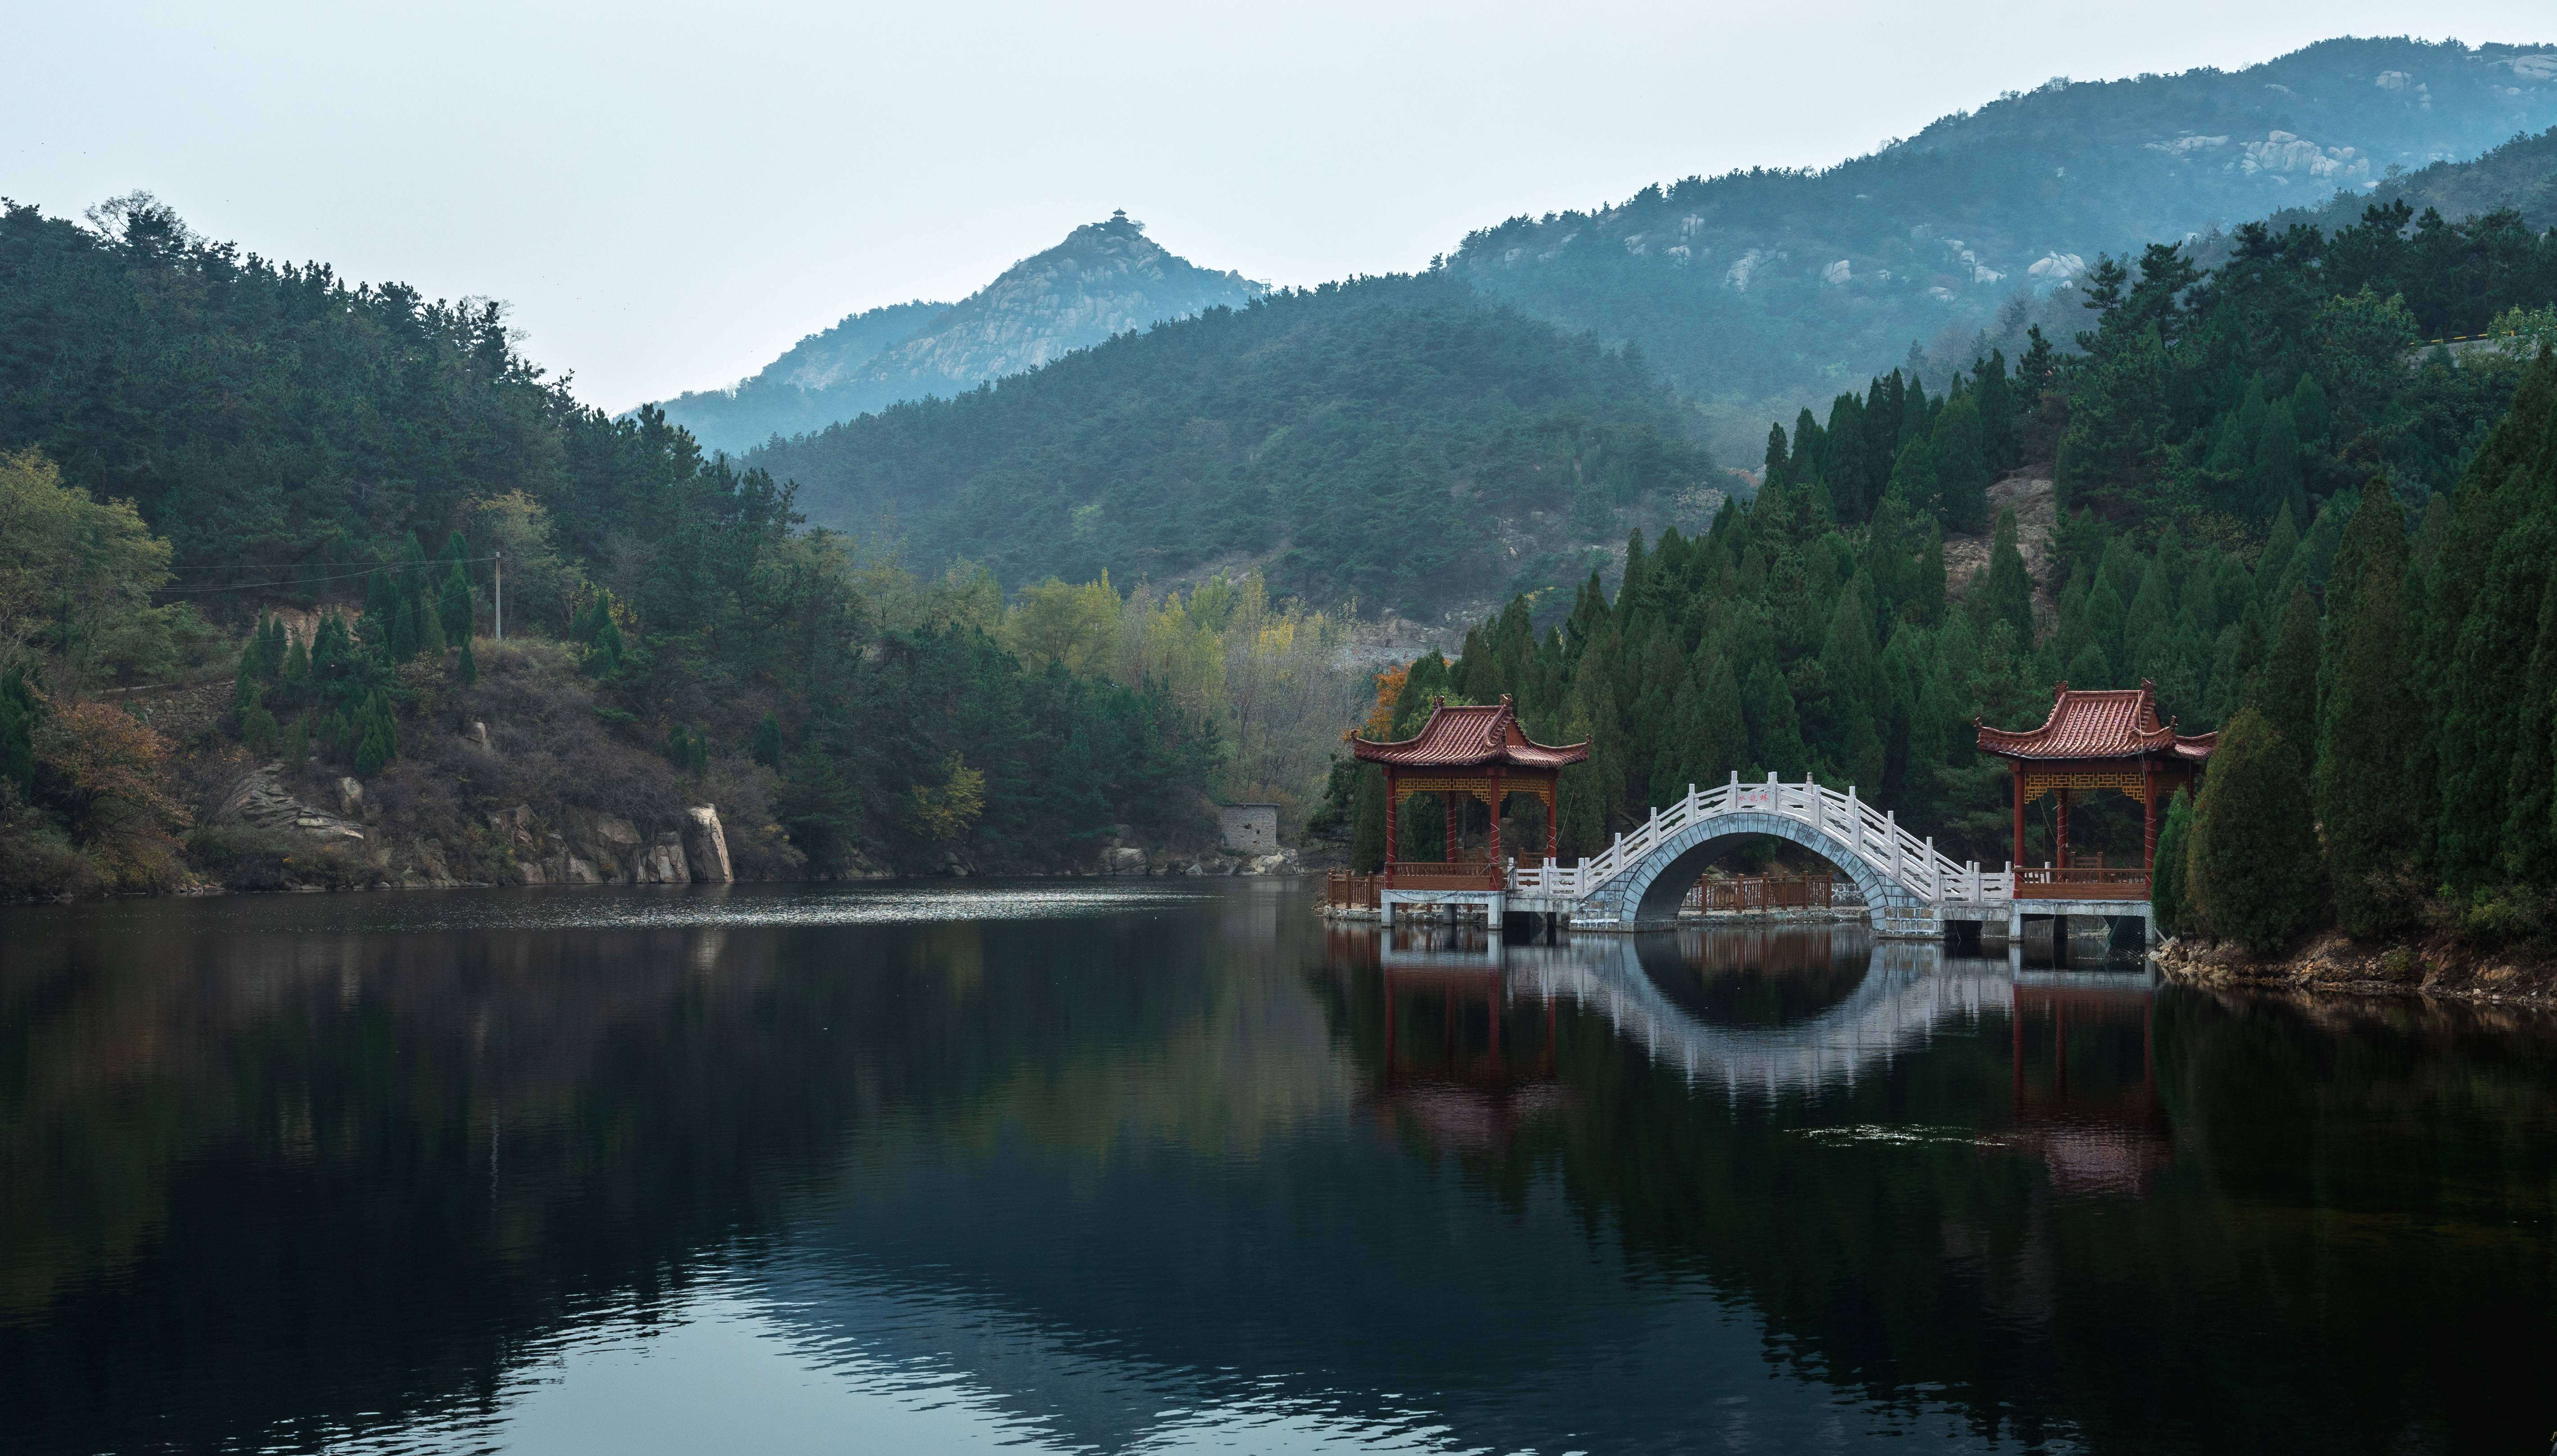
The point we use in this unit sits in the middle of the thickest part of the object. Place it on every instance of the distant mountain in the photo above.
(2520, 175)
(1106, 278)
(1761, 290)
(1397, 441)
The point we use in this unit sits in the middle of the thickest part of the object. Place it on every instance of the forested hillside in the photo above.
(275, 437)
(2309, 532)
(1759, 291)
(1391, 440)
(1104, 277)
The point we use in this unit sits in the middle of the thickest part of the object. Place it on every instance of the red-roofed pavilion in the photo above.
(1478, 752)
(2091, 741)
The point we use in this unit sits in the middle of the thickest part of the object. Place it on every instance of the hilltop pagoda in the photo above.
(2093, 742)
(1476, 752)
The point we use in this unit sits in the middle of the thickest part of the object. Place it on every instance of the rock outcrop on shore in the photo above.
(2335, 965)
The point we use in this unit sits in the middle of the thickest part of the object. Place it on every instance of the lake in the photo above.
(1172, 1166)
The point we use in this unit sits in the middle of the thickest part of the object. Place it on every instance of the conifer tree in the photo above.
(466, 669)
(766, 747)
(2166, 879)
(1926, 603)
(454, 605)
(2368, 721)
(1962, 466)
(2252, 869)
(18, 713)
(2275, 480)
(2005, 593)
(1914, 484)
(2281, 542)
(2286, 689)
(1775, 731)
(1852, 736)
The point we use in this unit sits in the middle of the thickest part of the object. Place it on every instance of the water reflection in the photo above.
(1186, 1168)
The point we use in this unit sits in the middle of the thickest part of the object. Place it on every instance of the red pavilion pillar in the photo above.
(1499, 881)
(2059, 849)
(2019, 815)
(1391, 799)
(2148, 815)
(1554, 817)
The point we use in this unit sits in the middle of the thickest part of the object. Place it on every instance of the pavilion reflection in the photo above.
(1459, 1043)
(1452, 1057)
(2081, 1096)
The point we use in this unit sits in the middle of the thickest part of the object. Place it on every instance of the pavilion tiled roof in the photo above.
(1470, 738)
(2117, 723)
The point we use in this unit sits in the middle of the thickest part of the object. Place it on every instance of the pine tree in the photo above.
(2166, 879)
(2286, 687)
(1850, 731)
(466, 669)
(2367, 722)
(403, 634)
(2251, 868)
(2281, 542)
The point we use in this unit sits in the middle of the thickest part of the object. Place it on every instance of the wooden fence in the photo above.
(1348, 889)
(1757, 895)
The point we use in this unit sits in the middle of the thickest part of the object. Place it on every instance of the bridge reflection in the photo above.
(1468, 1048)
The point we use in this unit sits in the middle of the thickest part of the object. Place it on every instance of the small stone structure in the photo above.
(1252, 829)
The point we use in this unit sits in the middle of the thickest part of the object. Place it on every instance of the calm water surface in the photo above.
(1159, 1168)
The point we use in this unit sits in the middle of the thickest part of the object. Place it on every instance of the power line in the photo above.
(304, 580)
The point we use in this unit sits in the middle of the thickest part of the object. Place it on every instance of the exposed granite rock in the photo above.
(260, 801)
(709, 846)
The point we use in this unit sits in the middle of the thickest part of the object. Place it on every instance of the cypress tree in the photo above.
(1926, 603)
(2368, 721)
(403, 633)
(453, 606)
(429, 626)
(767, 742)
(1367, 819)
(1962, 466)
(2307, 410)
(2166, 881)
(18, 713)
(1775, 731)
(2280, 545)
(466, 669)
(1996, 401)
(1851, 738)
(2005, 593)
(2286, 689)
(1915, 482)
(1851, 491)
(1779, 465)
(2252, 866)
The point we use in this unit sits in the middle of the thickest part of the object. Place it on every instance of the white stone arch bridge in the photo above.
(1908, 888)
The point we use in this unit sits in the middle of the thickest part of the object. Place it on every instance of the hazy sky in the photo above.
(669, 195)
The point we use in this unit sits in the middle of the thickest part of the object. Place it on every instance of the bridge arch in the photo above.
(1649, 891)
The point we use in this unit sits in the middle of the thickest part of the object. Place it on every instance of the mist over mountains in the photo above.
(1104, 277)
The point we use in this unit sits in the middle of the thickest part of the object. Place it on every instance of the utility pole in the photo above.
(501, 595)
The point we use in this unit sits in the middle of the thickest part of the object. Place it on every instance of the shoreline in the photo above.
(2332, 965)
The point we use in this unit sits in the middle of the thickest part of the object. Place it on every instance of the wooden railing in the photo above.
(1446, 874)
(1345, 889)
(2083, 883)
(1753, 894)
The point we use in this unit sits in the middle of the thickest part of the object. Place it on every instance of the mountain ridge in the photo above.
(1102, 279)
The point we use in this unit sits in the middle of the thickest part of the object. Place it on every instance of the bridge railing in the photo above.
(1875, 837)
